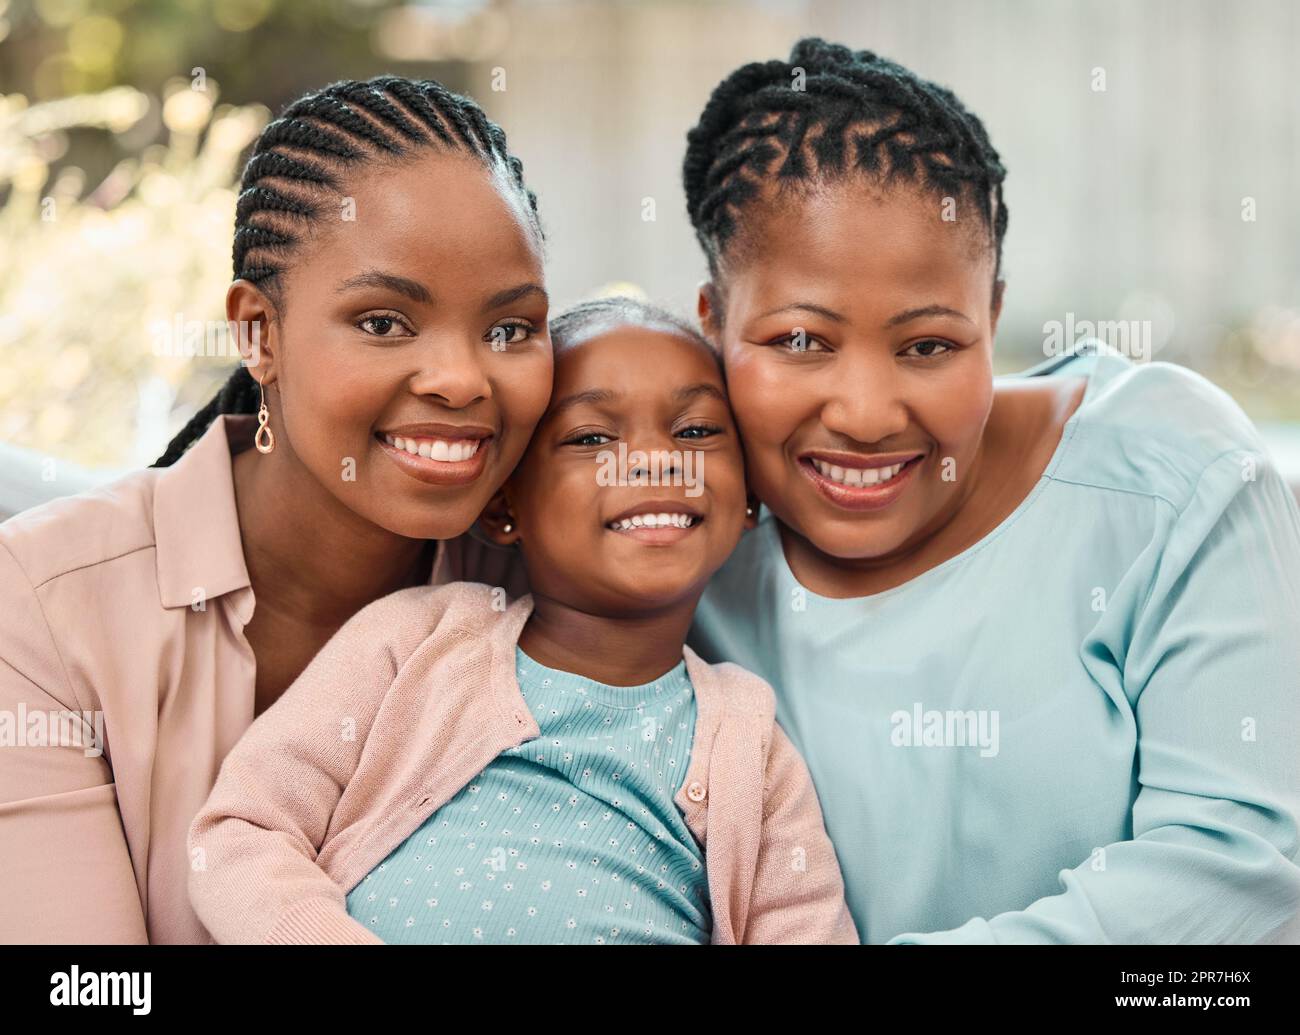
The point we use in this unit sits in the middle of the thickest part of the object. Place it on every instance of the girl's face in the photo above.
(582, 520)
(857, 337)
(411, 360)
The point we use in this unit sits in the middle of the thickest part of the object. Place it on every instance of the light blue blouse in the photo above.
(570, 838)
(1085, 727)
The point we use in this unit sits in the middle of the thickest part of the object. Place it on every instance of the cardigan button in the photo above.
(695, 791)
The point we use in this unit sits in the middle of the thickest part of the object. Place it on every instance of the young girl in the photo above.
(453, 768)
(1045, 624)
(389, 254)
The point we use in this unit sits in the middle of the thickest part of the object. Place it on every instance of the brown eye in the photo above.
(699, 431)
(799, 340)
(929, 348)
(587, 438)
(512, 332)
(383, 326)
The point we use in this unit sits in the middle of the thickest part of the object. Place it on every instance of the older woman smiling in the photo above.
(1095, 558)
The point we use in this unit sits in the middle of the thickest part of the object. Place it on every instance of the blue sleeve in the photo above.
(1213, 671)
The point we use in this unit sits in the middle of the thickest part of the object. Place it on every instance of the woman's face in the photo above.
(857, 336)
(411, 358)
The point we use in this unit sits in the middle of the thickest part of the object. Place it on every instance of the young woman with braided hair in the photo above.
(389, 254)
(1034, 635)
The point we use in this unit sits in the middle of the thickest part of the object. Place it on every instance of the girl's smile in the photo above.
(643, 538)
(657, 522)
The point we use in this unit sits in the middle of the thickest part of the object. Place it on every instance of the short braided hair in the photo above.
(855, 111)
(305, 154)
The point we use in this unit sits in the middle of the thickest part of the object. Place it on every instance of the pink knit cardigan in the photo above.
(405, 705)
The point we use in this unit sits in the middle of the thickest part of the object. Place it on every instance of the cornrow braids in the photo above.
(852, 111)
(318, 138)
(239, 394)
(305, 154)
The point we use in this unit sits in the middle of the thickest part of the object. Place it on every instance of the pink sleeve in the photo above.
(65, 869)
(253, 846)
(798, 892)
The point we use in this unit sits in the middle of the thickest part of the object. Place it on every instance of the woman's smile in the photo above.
(858, 481)
(438, 454)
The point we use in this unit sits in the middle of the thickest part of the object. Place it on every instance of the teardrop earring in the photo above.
(263, 424)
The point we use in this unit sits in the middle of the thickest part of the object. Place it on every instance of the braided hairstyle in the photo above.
(303, 156)
(850, 111)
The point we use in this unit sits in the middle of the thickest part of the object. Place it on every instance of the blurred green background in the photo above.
(1126, 202)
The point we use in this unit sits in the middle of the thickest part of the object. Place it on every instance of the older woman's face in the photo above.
(412, 359)
(857, 337)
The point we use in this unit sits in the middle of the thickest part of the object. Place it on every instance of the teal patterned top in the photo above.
(570, 838)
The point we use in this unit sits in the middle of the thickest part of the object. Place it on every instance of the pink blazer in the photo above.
(125, 679)
(405, 705)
